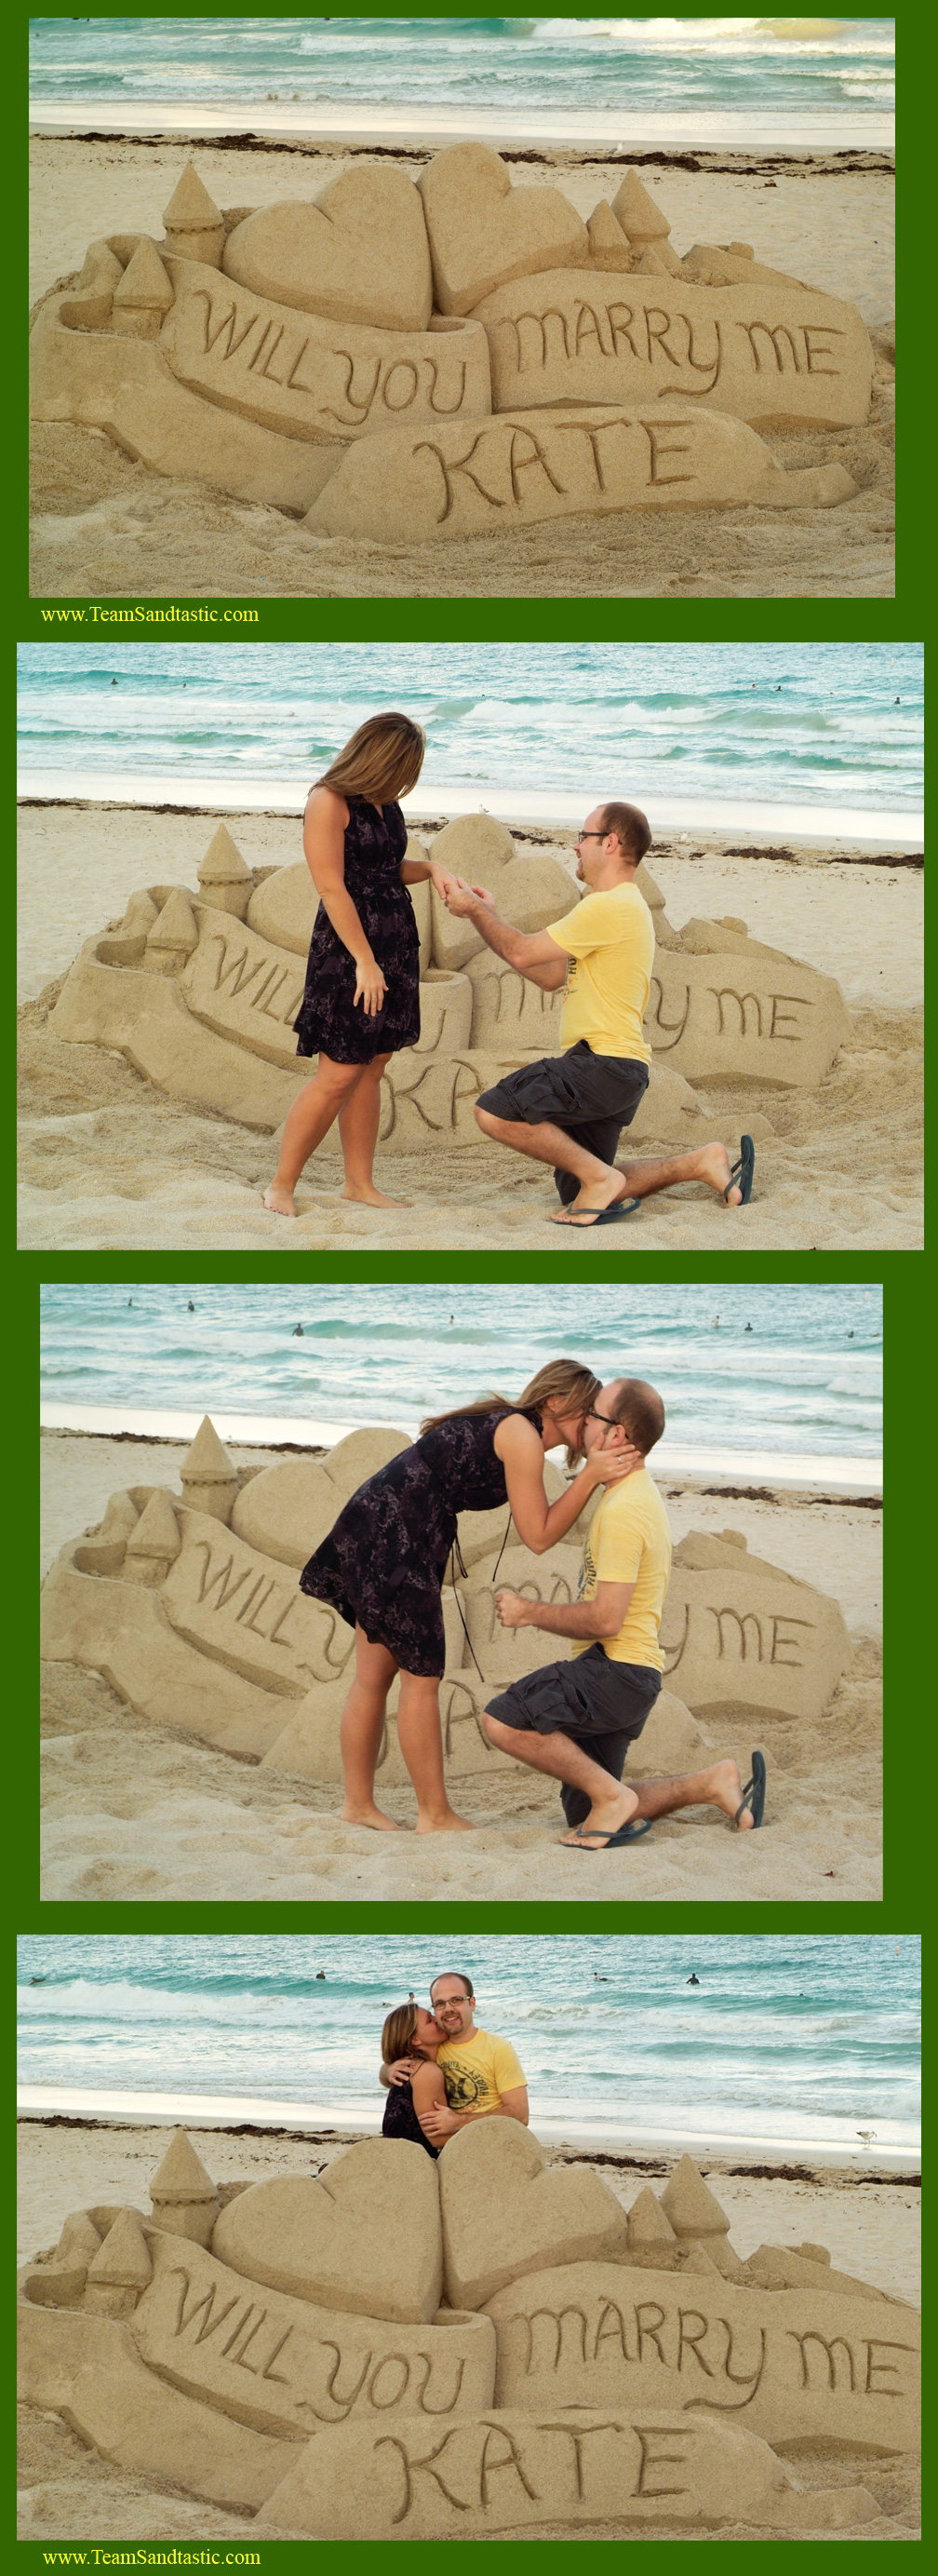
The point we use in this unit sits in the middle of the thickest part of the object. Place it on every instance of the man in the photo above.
(480, 2071)
(576, 1719)
(570, 1109)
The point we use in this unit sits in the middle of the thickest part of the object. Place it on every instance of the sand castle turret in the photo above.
(172, 937)
(608, 245)
(697, 2218)
(185, 2201)
(120, 2270)
(209, 1476)
(194, 224)
(79, 2241)
(153, 1544)
(223, 877)
(652, 2240)
(644, 225)
(143, 297)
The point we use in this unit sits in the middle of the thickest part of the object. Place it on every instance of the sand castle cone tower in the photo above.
(185, 2201)
(608, 245)
(154, 1544)
(121, 2269)
(144, 295)
(209, 1476)
(172, 937)
(223, 877)
(79, 2241)
(194, 224)
(698, 2220)
(645, 227)
(652, 2241)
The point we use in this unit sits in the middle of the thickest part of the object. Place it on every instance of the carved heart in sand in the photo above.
(483, 231)
(357, 253)
(504, 2213)
(365, 2239)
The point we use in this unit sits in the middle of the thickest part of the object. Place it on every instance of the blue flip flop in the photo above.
(605, 1216)
(630, 1833)
(742, 1171)
(754, 1792)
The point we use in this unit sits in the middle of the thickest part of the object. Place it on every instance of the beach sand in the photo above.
(135, 1813)
(869, 2223)
(108, 1162)
(106, 527)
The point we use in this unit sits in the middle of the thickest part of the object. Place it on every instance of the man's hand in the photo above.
(463, 899)
(439, 2123)
(403, 2070)
(513, 1610)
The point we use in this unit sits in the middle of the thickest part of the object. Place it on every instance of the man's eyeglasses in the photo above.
(590, 836)
(591, 1416)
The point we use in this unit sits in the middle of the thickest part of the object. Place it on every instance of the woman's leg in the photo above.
(358, 1128)
(421, 1741)
(305, 1125)
(360, 1733)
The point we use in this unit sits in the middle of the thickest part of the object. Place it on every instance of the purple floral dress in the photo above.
(329, 1020)
(385, 1558)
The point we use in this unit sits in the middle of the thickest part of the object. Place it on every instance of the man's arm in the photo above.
(515, 2104)
(440, 2124)
(533, 954)
(601, 1617)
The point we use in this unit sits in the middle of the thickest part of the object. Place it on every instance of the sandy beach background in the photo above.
(109, 1162)
(105, 527)
(135, 1813)
(869, 2222)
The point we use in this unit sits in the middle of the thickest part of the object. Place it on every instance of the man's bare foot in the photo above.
(446, 1823)
(725, 1790)
(606, 1818)
(715, 1169)
(373, 1817)
(278, 1200)
(593, 1196)
(368, 1196)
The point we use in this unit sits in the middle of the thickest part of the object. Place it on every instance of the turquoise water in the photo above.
(793, 724)
(808, 1377)
(786, 2036)
(761, 67)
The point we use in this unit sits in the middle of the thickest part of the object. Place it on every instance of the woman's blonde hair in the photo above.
(381, 762)
(565, 1385)
(397, 2035)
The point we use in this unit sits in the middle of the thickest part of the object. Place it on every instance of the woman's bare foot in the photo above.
(278, 1200)
(368, 1196)
(373, 1817)
(593, 1196)
(447, 1822)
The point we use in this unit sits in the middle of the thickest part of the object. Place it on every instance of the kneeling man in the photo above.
(576, 1719)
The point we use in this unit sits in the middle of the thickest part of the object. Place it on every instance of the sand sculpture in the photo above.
(199, 988)
(299, 2364)
(341, 357)
(190, 1608)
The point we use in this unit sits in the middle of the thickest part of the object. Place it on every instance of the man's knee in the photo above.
(499, 1735)
(485, 1118)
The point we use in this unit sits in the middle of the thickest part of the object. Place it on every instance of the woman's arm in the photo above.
(429, 2095)
(540, 1524)
(324, 850)
(416, 872)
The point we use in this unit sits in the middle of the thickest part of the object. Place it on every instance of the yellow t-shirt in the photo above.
(628, 1541)
(610, 944)
(477, 2071)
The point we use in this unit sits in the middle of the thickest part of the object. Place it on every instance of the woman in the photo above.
(410, 2031)
(383, 1563)
(362, 996)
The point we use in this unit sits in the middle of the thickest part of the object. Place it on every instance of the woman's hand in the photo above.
(443, 881)
(513, 1610)
(608, 1466)
(370, 986)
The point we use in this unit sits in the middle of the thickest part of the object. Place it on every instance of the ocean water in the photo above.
(767, 69)
(821, 724)
(801, 2036)
(808, 1377)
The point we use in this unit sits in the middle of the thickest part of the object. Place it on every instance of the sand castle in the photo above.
(199, 987)
(401, 362)
(190, 1608)
(377, 2352)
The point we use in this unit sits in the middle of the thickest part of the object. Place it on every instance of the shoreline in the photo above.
(811, 826)
(47, 2105)
(800, 1470)
(652, 135)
